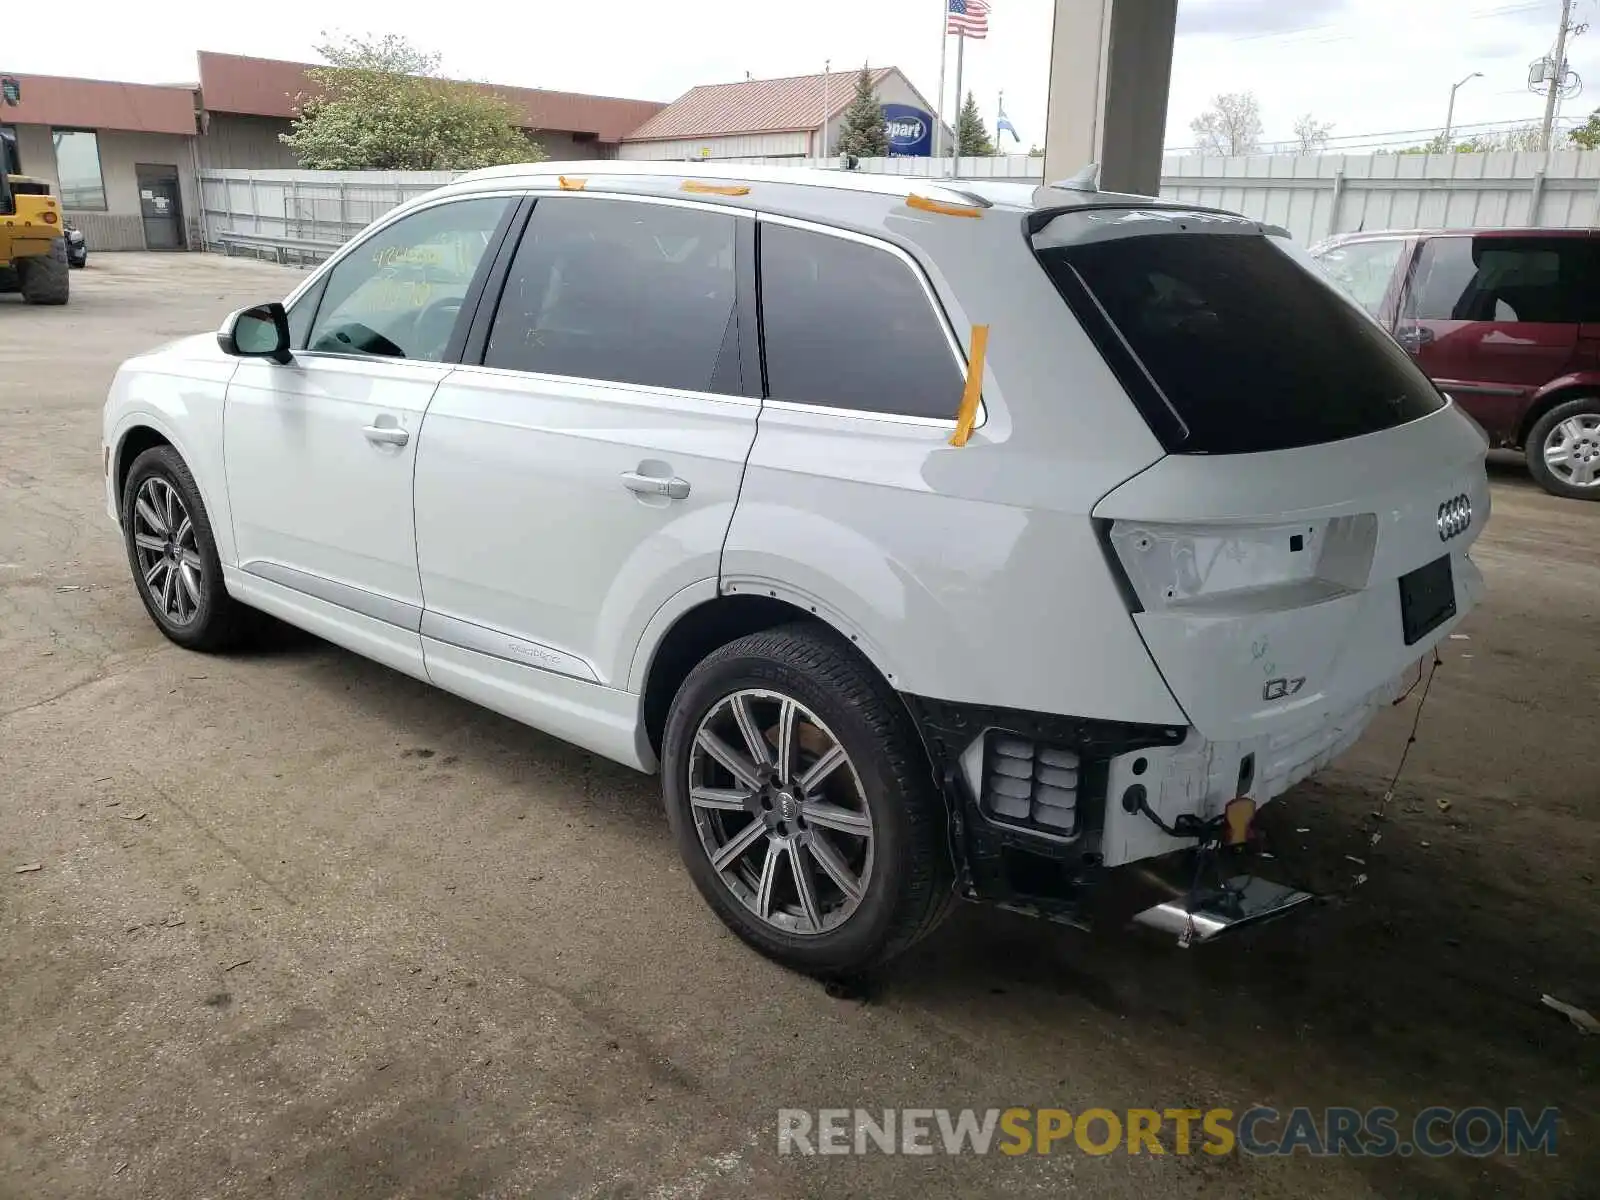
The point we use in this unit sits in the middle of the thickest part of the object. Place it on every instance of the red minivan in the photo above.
(1507, 321)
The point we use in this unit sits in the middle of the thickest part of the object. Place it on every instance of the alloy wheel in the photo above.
(780, 811)
(166, 550)
(1572, 450)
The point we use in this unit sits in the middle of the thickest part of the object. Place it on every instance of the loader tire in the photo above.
(45, 279)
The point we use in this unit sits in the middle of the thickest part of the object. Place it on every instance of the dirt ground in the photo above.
(367, 940)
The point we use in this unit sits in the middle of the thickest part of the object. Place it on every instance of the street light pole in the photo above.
(1450, 113)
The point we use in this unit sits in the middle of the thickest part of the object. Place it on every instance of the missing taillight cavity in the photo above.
(1214, 566)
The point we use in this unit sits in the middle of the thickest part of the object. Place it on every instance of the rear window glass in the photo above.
(1229, 345)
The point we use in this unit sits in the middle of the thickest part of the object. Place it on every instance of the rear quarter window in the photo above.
(1229, 343)
(848, 325)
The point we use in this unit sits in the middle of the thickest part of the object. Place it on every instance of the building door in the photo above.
(161, 207)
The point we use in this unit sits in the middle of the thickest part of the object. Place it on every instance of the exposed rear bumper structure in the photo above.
(1047, 810)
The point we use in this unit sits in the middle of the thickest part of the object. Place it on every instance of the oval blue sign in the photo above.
(909, 130)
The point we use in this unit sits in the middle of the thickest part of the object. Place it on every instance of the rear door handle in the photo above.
(650, 485)
(386, 435)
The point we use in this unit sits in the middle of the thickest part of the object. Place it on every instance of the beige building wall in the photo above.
(120, 226)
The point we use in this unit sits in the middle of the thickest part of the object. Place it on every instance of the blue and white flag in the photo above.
(1004, 125)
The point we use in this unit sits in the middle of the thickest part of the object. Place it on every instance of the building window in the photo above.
(78, 169)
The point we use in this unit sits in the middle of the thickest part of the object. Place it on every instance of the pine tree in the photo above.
(971, 135)
(864, 131)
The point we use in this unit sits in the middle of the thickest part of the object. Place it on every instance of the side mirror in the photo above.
(258, 332)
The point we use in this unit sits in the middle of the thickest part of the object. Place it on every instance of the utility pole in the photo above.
(1559, 70)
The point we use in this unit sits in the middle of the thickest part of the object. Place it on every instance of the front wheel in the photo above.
(174, 555)
(803, 803)
(1564, 449)
(43, 278)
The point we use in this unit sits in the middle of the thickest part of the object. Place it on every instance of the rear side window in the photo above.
(848, 325)
(1541, 280)
(1229, 345)
(622, 291)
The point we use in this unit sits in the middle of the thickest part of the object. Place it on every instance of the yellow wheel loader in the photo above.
(33, 246)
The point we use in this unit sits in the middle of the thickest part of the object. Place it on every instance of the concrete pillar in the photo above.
(1110, 69)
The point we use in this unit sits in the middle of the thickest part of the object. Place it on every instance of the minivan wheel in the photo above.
(1564, 449)
(173, 554)
(803, 803)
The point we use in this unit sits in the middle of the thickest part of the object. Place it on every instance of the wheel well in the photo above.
(1531, 417)
(134, 443)
(696, 634)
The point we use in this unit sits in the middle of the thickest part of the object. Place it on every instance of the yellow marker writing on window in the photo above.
(967, 414)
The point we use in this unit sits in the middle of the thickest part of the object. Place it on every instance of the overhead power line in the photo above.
(1391, 136)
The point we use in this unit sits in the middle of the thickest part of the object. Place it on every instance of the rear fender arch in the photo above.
(1571, 386)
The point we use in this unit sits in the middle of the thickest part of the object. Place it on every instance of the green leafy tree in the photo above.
(1587, 135)
(971, 135)
(381, 105)
(1520, 137)
(863, 132)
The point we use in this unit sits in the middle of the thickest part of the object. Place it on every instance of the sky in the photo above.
(1375, 69)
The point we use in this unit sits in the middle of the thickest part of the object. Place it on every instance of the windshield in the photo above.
(1234, 342)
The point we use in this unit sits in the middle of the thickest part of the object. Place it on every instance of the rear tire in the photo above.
(870, 833)
(1563, 449)
(173, 554)
(46, 279)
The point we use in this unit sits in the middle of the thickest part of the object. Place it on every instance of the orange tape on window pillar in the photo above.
(967, 414)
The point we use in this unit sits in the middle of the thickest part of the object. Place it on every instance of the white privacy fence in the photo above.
(1316, 195)
(305, 214)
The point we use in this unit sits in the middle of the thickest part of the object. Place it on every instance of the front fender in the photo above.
(186, 409)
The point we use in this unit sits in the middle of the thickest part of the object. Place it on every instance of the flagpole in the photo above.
(938, 99)
(827, 68)
(955, 162)
(999, 115)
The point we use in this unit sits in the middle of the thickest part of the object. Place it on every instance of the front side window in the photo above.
(78, 169)
(399, 293)
(1543, 280)
(1363, 269)
(848, 325)
(622, 291)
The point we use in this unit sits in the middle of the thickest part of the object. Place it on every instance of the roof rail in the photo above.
(598, 172)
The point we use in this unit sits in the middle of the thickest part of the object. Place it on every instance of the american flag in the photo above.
(968, 18)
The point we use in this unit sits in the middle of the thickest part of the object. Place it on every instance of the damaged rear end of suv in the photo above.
(1247, 523)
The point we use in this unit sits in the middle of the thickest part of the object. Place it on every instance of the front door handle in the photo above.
(386, 435)
(650, 485)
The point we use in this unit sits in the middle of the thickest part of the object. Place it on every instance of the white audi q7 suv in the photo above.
(931, 539)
